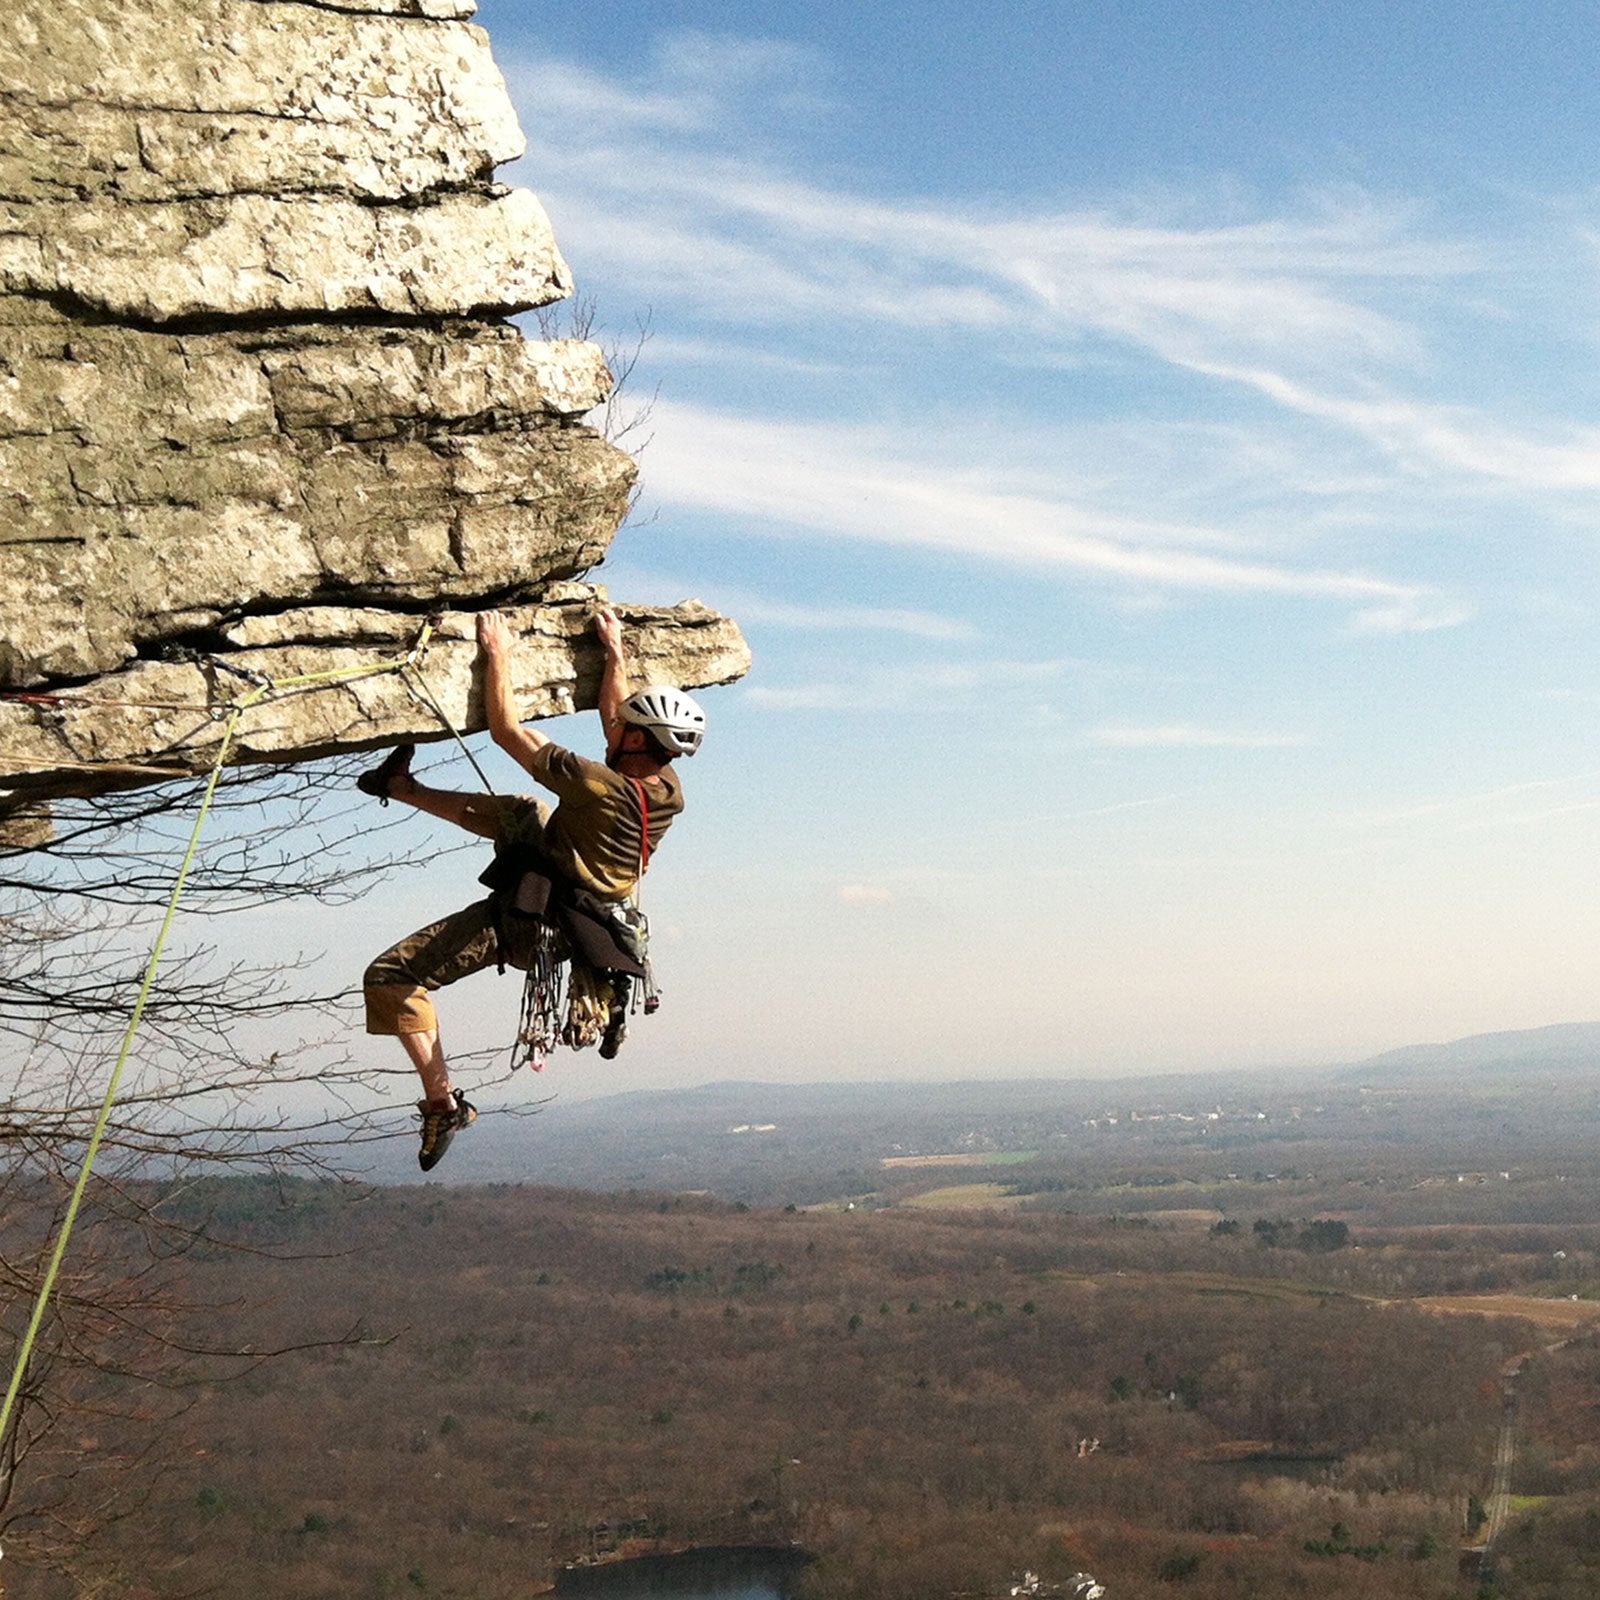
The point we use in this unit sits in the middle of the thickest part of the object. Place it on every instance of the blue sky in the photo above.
(1152, 452)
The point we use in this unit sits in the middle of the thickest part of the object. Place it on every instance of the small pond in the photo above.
(1319, 1469)
(722, 1574)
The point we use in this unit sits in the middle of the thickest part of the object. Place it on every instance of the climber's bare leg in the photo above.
(448, 804)
(444, 1113)
(426, 1056)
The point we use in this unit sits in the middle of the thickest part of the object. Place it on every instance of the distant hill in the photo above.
(805, 1142)
(1561, 1050)
(828, 1138)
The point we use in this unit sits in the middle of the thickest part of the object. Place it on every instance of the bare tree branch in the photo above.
(123, 1350)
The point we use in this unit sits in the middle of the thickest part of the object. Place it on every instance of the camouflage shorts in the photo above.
(398, 983)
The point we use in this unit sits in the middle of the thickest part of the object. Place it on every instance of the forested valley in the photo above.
(495, 1381)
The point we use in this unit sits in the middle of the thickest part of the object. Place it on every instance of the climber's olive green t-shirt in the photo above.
(593, 836)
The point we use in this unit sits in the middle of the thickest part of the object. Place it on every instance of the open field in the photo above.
(1548, 1315)
(963, 1196)
(989, 1158)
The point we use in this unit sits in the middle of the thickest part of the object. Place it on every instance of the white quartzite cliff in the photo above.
(258, 401)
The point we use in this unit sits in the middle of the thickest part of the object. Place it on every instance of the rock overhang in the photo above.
(257, 392)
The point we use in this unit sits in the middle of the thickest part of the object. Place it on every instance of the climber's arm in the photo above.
(614, 677)
(496, 640)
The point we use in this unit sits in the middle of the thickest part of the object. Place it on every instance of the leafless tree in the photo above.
(238, 1069)
(624, 415)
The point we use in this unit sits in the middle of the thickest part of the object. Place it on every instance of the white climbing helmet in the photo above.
(670, 715)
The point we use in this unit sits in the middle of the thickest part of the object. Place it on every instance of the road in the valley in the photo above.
(1498, 1505)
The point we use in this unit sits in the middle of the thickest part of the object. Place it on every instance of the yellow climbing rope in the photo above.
(47, 1287)
(234, 711)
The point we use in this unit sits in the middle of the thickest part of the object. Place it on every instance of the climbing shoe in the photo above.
(439, 1127)
(397, 764)
(617, 1021)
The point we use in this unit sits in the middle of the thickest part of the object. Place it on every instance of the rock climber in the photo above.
(568, 867)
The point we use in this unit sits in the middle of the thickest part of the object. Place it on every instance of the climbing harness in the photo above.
(565, 1000)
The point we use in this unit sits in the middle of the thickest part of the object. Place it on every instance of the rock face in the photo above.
(374, 677)
(257, 399)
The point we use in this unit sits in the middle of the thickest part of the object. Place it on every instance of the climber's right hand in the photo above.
(495, 637)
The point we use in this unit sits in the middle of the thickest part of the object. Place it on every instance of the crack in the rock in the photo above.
(212, 638)
(366, 11)
(289, 194)
(457, 540)
(72, 304)
(37, 102)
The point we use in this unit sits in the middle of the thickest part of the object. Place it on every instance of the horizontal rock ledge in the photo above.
(153, 484)
(260, 255)
(169, 99)
(165, 719)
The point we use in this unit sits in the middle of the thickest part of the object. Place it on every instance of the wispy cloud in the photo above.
(865, 894)
(750, 244)
(671, 350)
(1188, 737)
(1304, 308)
(694, 79)
(747, 607)
(1410, 616)
(932, 686)
(872, 619)
(1455, 437)
(831, 479)
(739, 234)
(1312, 414)
(1487, 808)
